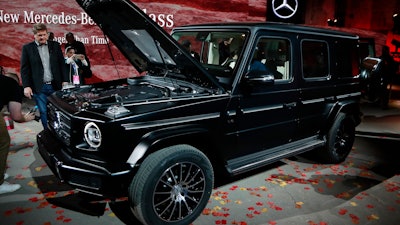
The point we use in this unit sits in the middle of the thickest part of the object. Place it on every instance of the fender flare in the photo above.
(350, 106)
(157, 136)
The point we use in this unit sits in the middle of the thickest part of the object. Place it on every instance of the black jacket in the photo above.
(32, 71)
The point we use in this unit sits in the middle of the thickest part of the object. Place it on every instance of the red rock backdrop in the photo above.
(18, 16)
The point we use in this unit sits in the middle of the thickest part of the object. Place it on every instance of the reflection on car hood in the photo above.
(147, 46)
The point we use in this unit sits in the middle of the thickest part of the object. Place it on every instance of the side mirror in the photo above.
(259, 77)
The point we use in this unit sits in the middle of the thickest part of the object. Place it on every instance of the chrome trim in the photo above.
(263, 159)
(231, 113)
(310, 101)
(84, 186)
(84, 170)
(89, 119)
(93, 142)
(176, 99)
(171, 121)
(261, 108)
(88, 192)
(349, 95)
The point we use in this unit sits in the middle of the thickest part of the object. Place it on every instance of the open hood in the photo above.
(147, 46)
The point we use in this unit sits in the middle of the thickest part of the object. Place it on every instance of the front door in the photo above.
(268, 112)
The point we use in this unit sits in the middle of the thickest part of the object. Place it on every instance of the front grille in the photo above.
(59, 123)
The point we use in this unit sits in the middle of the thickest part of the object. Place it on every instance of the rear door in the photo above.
(317, 89)
(329, 68)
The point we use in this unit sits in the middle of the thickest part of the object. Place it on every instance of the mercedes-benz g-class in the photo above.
(243, 96)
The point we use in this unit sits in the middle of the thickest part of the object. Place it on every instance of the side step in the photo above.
(256, 160)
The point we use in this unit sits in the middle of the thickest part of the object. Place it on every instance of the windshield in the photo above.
(157, 57)
(217, 51)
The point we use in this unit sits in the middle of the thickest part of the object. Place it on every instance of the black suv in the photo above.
(244, 95)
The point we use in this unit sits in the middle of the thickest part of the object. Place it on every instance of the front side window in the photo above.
(315, 59)
(272, 55)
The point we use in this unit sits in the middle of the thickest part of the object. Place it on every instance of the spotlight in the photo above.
(331, 22)
(335, 22)
(396, 23)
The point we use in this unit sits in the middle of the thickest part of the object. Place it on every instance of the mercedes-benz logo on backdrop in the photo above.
(284, 8)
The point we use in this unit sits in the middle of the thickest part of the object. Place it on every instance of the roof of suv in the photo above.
(286, 27)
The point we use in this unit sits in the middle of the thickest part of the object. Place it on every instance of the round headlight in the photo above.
(92, 135)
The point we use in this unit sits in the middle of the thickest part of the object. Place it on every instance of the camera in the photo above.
(33, 110)
(79, 56)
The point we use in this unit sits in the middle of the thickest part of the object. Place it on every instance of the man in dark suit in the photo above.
(42, 69)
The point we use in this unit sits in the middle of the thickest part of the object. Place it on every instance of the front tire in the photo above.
(172, 186)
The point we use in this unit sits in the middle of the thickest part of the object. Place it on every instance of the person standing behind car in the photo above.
(188, 46)
(387, 73)
(51, 36)
(10, 95)
(42, 69)
(79, 49)
(224, 50)
(76, 66)
(77, 45)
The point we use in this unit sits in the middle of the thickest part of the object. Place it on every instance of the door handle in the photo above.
(290, 105)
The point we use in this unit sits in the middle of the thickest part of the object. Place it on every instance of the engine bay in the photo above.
(133, 90)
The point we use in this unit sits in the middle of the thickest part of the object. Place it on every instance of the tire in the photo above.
(172, 186)
(340, 140)
(123, 211)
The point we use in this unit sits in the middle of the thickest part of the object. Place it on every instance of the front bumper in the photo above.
(101, 179)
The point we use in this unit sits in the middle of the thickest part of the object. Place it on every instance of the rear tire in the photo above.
(340, 140)
(172, 186)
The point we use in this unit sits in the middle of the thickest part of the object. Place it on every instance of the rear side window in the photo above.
(315, 59)
(347, 58)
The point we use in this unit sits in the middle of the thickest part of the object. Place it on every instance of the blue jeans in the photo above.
(41, 102)
(4, 147)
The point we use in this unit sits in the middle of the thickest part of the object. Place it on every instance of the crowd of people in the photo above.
(44, 69)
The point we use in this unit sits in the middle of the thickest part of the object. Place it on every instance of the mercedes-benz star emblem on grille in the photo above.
(284, 8)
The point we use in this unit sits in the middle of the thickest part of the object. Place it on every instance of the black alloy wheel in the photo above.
(172, 186)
